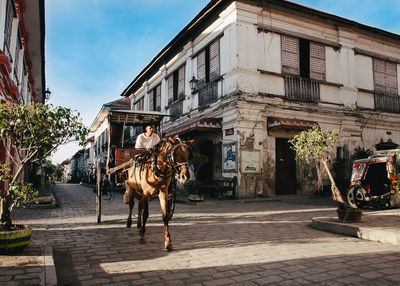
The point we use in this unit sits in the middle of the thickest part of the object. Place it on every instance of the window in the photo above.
(385, 76)
(155, 98)
(176, 85)
(10, 14)
(208, 66)
(139, 104)
(18, 47)
(303, 58)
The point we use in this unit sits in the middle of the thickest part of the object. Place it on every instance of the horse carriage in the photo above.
(145, 174)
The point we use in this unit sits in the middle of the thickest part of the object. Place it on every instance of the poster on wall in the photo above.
(250, 162)
(229, 157)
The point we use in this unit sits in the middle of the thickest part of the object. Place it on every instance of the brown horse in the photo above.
(151, 175)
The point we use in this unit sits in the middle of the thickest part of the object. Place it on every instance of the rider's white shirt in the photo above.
(146, 142)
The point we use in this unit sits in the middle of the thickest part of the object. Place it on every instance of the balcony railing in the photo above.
(176, 108)
(208, 93)
(302, 89)
(387, 102)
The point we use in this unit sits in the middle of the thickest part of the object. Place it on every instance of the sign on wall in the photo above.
(229, 157)
(250, 161)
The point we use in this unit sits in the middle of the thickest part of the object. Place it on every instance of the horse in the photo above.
(150, 176)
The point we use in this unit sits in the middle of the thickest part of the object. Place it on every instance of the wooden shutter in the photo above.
(290, 54)
(317, 61)
(214, 60)
(201, 67)
(379, 75)
(181, 81)
(8, 24)
(170, 82)
(158, 97)
(151, 100)
(385, 76)
(391, 78)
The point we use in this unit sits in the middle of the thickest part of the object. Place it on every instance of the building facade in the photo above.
(22, 65)
(243, 77)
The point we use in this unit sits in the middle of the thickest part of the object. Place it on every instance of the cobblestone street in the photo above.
(215, 243)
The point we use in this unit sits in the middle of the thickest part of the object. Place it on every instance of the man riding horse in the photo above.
(150, 176)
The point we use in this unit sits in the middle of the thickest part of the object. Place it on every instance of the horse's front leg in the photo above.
(163, 197)
(131, 204)
(140, 213)
(129, 199)
(145, 208)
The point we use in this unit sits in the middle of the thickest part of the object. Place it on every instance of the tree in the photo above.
(315, 144)
(28, 134)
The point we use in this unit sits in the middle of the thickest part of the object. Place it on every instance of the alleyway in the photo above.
(215, 243)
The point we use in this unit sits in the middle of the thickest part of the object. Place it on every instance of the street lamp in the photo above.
(47, 94)
(193, 83)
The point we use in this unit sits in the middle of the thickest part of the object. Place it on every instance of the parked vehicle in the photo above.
(374, 181)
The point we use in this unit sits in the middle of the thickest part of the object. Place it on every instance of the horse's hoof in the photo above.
(168, 246)
(142, 239)
(128, 224)
(139, 225)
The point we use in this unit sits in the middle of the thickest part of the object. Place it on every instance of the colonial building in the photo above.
(88, 161)
(22, 65)
(245, 76)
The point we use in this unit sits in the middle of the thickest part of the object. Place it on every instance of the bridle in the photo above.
(175, 167)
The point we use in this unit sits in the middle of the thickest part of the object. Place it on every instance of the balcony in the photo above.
(302, 89)
(387, 102)
(208, 93)
(176, 108)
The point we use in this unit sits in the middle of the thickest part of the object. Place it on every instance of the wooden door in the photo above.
(285, 177)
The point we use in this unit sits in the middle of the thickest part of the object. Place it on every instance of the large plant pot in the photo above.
(349, 215)
(16, 239)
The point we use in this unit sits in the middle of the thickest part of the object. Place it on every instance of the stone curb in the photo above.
(49, 268)
(330, 224)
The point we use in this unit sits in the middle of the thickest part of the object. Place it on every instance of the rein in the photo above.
(175, 166)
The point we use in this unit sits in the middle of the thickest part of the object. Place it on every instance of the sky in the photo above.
(95, 48)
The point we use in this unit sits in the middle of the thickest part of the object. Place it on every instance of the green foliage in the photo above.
(193, 187)
(314, 144)
(198, 161)
(361, 153)
(339, 168)
(29, 133)
(39, 128)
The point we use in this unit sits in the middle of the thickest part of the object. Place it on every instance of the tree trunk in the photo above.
(5, 214)
(336, 196)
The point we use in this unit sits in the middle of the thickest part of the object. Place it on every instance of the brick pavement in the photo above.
(215, 243)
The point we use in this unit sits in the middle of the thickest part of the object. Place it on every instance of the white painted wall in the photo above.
(332, 65)
(268, 47)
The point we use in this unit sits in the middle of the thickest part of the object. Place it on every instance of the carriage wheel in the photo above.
(171, 201)
(355, 196)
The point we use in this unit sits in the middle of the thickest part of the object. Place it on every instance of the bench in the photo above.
(226, 187)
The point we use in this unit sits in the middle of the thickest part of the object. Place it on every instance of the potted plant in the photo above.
(194, 186)
(28, 134)
(316, 145)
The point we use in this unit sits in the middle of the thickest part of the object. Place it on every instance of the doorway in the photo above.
(205, 173)
(285, 176)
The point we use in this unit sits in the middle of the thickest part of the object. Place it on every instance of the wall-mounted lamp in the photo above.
(47, 94)
(193, 83)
